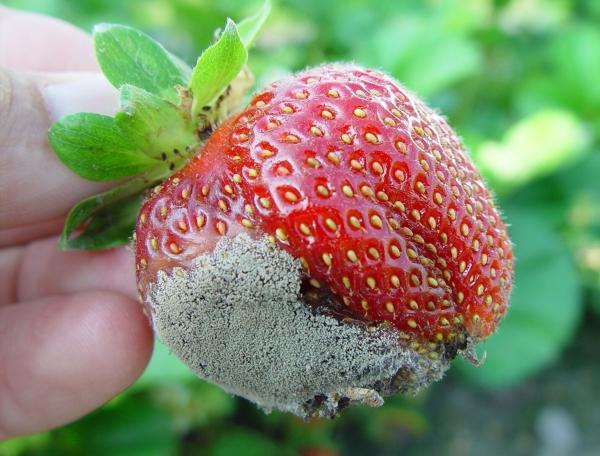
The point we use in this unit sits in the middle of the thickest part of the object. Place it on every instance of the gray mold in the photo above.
(237, 320)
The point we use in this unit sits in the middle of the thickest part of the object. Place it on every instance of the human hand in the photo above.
(71, 334)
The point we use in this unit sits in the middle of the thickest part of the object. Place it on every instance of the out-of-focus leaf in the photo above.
(240, 441)
(133, 427)
(164, 368)
(423, 58)
(536, 146)
(544, 309)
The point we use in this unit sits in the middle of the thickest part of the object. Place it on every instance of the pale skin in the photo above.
(72, 335)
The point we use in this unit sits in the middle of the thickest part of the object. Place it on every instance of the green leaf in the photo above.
(128, 56)
(241, 441)
(217, 67)
(107, 219)
(249, 27)
(538, 145)
(544, 310)
(92, 146)
(158, 127)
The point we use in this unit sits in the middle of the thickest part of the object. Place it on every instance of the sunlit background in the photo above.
(520, 82)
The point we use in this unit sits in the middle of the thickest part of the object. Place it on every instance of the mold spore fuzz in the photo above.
(237, 319)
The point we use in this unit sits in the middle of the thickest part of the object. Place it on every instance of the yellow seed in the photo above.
(400, 206)
(411, 253)
(354, 221)
(451, 214)
(394, 251)
(389, 122)
(264, 202)
(300, 95)
(420, 187)
(411, 323)
(365, 304)
(462, 266)
(413, 304)
(252, 173)
(373, 253)
(424, 165)
(432, 282)
(174, 248)
(488, 300)
(437, 197)
(393, 223)
(316, 131)
(292, 139)
(351, 255)
(204, 190)
(322, 190)
(290, 196)
(347, 190)
(266, 153)
(469, 208)
(346, 282)
(371, 282)
(287, 110)
(333, 93)
(221, 228)
(154, 243)
(476, 245)
(360, 93)
(346, 300)
(355, 164)
(415, 280)
(346, 138)
(484, 259)
(163, 211)
(444, 321)
(360, 113)
(377, 168)
(476, 318)
(237, 178)
(236, 158)
(331, 224)
(333, 158)
(182, 226)
(327, 259)
(401, 147)
(228, 189)
(437, 154)
(454, 252)
(247, 223)
(464, 229)
(312, 162)
(315, 283)
(304, 263)
(432, 223)
(461, 296)
(370, 137)
(305, 229)
(260, 104)
(480, 290)
(389, 306)
(143, 219)
(382, 196)
(366, 191)
(281, 235)
(200, 221)
(416, 214)
(272, 125)
(376, 221)
(395, 281)
(326, 114)
(222, 205)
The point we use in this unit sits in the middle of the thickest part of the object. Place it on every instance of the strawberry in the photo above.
(351, 173)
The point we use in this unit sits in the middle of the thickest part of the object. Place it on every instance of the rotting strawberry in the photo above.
(349, 172)
(330, 244)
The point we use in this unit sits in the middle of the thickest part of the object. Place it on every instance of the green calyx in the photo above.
(166, 111)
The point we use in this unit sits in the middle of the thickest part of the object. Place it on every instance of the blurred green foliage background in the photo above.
(518, 79)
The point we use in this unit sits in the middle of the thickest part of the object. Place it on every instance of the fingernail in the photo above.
(68, 93)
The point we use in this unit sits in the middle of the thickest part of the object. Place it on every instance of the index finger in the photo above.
(32, 42)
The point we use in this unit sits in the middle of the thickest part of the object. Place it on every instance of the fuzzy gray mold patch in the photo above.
(237, 320)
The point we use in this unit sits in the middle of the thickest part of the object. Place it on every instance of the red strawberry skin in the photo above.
(368, 187)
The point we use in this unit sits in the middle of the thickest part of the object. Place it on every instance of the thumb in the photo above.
(29, 104)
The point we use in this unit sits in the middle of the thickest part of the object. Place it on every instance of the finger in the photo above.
(63, 356)
(34, 185)
(32, 42)
(40, 269)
